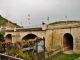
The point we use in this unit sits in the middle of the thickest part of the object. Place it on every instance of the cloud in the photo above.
(17, 10)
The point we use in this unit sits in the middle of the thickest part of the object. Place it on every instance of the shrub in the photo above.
(2, 36)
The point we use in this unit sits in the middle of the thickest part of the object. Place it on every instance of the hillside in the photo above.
(5, 22)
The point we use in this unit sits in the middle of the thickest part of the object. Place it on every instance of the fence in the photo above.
(6, 57)
(33, 26)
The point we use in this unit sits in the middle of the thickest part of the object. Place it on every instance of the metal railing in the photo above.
(33, 26)
(6, 57)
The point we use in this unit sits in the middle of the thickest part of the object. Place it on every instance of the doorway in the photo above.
(68, 41)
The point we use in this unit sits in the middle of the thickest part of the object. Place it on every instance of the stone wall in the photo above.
(48, 37)
(76, 36)
(54, 35)
(59, 26)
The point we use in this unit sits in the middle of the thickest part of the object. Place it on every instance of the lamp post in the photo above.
(48, 19)
(66, 18)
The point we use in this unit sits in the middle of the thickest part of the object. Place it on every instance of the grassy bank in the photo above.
(62, 56)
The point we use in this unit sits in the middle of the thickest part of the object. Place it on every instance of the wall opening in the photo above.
(29, 36)
(8, 38)
(68, 41)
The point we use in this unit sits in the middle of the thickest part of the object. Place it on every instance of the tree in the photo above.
(2, 45)
(2, 36)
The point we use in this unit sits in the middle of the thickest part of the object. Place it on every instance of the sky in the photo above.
(17, 11)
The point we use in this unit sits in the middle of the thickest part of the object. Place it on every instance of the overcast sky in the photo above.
(17, 10)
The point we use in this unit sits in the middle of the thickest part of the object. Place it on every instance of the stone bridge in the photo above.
(63, 35)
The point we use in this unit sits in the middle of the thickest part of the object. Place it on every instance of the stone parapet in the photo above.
(60, 26)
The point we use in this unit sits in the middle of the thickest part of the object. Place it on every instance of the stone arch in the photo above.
(29, 36)
(8, 38)
(68, 41)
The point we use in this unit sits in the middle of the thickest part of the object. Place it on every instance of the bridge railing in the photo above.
(33, 26)
(7, 57)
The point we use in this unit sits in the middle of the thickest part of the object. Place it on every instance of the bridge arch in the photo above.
(8, 38)
(68, 41)
(29, 36)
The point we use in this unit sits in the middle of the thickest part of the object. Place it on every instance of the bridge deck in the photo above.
(22, 29)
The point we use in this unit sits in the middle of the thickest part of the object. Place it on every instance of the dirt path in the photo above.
(68, 52)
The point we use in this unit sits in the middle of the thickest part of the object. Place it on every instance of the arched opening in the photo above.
(68, 41)
(29, 36)
(8, 38)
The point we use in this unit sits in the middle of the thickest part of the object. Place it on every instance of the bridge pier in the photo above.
(15, 38)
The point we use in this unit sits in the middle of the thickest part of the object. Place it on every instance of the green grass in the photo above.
(62, 56)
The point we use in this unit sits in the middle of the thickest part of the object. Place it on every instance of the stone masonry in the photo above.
(54, 34)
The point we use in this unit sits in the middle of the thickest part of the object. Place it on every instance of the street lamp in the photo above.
(48, 19)
(66, 18)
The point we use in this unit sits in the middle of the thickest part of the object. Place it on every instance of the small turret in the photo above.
(44, 26)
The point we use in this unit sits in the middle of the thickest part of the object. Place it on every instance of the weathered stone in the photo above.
(54, 34)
